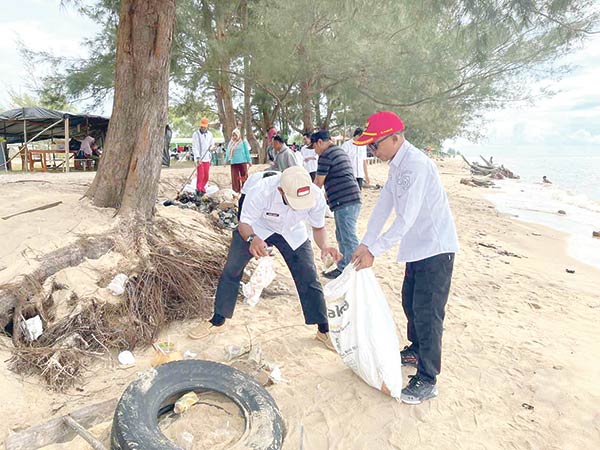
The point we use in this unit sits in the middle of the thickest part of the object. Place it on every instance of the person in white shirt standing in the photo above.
(309, 156)
(202, 144)
(358, 159)
(425, 229)
(274, 211)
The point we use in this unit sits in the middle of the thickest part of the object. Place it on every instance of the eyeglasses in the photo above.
(373, 146)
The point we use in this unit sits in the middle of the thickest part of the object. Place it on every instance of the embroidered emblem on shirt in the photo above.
(404, 181)
(272, 214)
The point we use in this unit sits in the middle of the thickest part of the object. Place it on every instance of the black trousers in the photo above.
(424, 296)
(360, 182)
(301, 263)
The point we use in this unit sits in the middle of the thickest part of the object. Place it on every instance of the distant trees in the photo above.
(329, 63)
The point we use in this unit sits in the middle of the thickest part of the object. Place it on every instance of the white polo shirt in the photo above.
(266, 213)
(357, 155)
(423, 225)
(310, 166)
(201, 145)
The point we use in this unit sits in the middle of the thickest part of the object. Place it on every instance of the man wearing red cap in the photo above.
(424, 227)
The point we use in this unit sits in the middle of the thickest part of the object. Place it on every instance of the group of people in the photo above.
(276, 203)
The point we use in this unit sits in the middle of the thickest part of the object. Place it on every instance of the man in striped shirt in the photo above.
(343, 194)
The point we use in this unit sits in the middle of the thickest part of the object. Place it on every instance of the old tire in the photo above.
(135, 423)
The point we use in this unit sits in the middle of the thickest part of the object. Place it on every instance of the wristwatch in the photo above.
(250, 237)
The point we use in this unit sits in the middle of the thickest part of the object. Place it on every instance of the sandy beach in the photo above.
(520, 361)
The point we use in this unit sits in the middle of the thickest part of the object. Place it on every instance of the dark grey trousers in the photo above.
(301, 263)
(424, 296)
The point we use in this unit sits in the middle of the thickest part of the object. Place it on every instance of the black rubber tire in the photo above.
(135, 424)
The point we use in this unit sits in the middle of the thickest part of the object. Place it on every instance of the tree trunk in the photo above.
(307, 109)
(128, 174)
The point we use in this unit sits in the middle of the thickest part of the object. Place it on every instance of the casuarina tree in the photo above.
(127, 178)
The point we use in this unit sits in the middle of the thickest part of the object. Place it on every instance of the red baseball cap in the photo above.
(379, 125)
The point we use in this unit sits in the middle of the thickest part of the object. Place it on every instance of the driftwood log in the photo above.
(14, 293)
(60, 430)
(477, 182)
(490, 170)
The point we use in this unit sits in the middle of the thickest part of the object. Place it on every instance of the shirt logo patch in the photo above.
(404, 182)
(271, 214)
(303, 191)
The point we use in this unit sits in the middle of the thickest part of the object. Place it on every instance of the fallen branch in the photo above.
(85, 434)
(72, 255)
(39, 208)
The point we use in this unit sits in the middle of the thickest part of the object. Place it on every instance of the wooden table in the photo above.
(36, 155)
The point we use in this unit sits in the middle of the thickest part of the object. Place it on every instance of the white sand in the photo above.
(517, 331)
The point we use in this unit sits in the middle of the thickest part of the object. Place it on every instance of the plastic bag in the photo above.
(117, 285)
(263, 275)
(362, 329)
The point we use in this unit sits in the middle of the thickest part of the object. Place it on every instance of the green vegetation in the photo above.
(303, 64)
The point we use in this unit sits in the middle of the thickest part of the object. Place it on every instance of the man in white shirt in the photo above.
(358, 159)
(202, 144)
(274, 213)
(309, 156)
(424, 227)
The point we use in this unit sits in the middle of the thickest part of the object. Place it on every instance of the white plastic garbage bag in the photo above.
(263, 275)
(362, 329)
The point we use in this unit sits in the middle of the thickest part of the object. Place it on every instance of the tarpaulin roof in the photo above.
(12, 124)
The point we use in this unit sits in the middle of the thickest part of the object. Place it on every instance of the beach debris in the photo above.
(220, 206)
(126, 358)
(256, 370)
(489, 169)
(477, 182)
(189, 354)
(562, 212)
(185, 402)
(528, 407)
(32, 328)
(276, 376)
(596, 234)
(570, 270)
(235, 351)
(165, 352)
(536, 234)
(499, 250)
(117, 285)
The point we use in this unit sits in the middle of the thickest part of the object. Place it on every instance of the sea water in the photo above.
(575, 189)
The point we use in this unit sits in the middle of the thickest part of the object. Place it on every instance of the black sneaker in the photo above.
(333, 274)
(409, 357)
(417, 391)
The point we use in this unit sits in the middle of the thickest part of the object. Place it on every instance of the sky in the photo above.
(569, 119)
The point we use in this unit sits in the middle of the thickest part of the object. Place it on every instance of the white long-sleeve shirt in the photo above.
(202, 143)
(357, 155)
(423, 225)
(310, 165)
